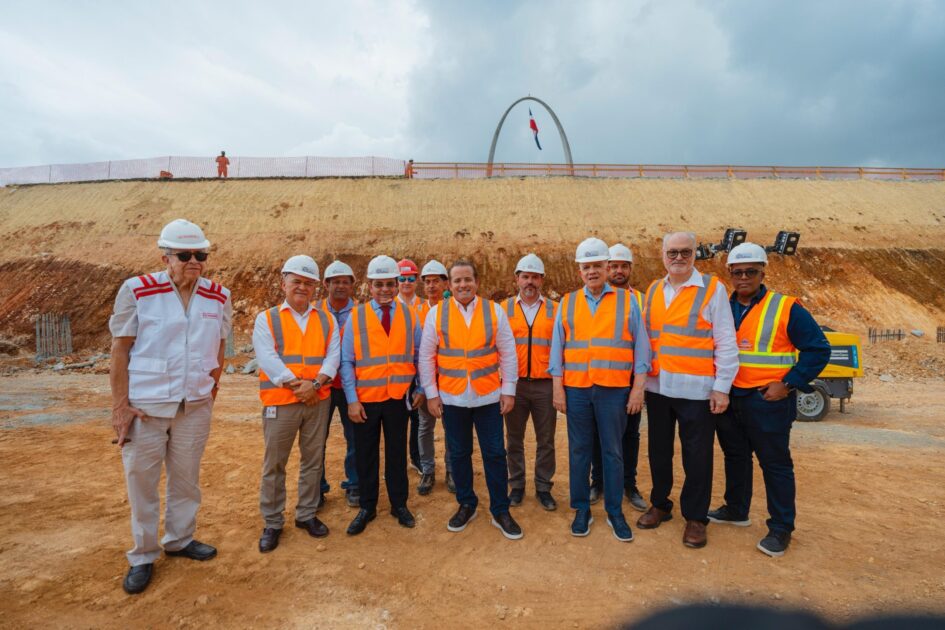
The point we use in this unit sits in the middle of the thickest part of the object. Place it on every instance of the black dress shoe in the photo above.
(138, 578)
(461, 519)
(314, 527)
(360, 521)
(196, 550)
(269, 539)
(426, 484)
(547, 501)
(516, 495)
(404, 517)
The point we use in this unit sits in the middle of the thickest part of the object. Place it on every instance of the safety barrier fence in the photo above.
(875, 335)
(53, 335)
(473, 170)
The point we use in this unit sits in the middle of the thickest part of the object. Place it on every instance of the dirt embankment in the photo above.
(871, 252)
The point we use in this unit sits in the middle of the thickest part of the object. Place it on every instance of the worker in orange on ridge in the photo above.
(222, 162)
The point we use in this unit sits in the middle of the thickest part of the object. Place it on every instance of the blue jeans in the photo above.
(340, 402)
(458, 423)
(606, 409)
(753, 424)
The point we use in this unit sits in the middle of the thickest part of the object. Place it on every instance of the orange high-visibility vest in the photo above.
(303, 353)
(681, 339)
(323, 305)
(383, 364)
(598, 348)
(467, 354)
(423, 309)
(765, 352)
(532, 343)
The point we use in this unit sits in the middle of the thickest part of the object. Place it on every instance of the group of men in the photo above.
(695, 356)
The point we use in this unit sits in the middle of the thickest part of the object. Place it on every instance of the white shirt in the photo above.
(505, 344)
(268, 358)
(530, 311)
(717, 312)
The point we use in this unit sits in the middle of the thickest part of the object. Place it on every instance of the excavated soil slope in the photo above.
(871, 252)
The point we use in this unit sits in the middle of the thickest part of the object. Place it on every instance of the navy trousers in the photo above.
(631, 455)
(458, 422)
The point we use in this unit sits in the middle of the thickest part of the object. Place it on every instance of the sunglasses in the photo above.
(744, 273)
(186, 256)
(678, 253)
(407, 279)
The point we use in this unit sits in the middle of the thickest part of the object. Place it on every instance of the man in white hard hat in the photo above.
(781, 349)
(169, 332)
(531, 317)
(298, 349)
(599, 343)
(695, 360)
(435, 280)
(468, 369)
(619, 269)
(378, 368)
(339, 285)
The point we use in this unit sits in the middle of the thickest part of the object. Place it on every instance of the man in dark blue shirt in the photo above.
(770, 328)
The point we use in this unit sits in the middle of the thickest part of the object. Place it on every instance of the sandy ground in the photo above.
(870, 504)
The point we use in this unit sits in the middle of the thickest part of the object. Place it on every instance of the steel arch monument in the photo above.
(554, 117)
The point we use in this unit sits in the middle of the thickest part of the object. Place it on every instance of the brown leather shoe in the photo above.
(694, 536)
(653, 517)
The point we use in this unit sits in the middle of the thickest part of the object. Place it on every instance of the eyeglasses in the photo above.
(186, 256)
(744, 273)
(678, 253)
(407, 279)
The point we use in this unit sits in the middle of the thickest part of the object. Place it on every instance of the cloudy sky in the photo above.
(793, 82)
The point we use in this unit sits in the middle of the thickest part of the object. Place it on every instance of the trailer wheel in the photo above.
(814, 406)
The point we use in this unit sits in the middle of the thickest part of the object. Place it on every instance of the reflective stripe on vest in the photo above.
(532, 342)
(467, 354)
(765, 352)
(680, 338)
(383, 364)
(308, 352)
(598, 348)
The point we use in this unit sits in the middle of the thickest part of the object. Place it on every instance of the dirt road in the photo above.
(870, 502)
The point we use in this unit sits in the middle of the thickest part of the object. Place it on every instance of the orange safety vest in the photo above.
(598, 348)
(423, 309)
(532, 343)
(383, 364)
(467, 354)
(765, 352)
(303, 353)
(681, 339)
(323, 305)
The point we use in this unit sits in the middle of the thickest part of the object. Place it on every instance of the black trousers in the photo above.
(697, 439)
(390, 417)
(631, 455)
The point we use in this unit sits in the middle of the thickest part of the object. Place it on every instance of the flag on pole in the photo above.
(534, 127)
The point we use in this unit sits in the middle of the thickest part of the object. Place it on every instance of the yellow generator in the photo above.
(835, 381)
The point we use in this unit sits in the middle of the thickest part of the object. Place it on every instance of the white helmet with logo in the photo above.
(747, 253)
(591, 250)
(530, 263)
(434, 268)
(336, 269)
(303, 266)
(621, 252)
(382, 268)
(182, 234)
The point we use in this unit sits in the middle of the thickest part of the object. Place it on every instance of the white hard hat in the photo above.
(382, 268)
(591, 250)
(182, 234)
(747, 253)
(530, 263)
(434, 268)
(336, 269)
(301, 265)
(621, 252)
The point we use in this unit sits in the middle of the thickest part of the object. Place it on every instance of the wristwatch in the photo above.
(316, 383)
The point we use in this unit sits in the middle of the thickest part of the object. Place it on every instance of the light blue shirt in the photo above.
(348, 379)
(635, 326)
(342, 314)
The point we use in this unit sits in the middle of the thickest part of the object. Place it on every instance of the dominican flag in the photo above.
(534, 127)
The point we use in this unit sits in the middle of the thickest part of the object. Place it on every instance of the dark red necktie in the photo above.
(385, 318)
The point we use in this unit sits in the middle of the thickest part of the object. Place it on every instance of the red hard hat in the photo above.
(408, 267)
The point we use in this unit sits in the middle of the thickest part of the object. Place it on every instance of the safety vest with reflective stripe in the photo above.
(467, 354)
(765, 352)
(303, 353)
(323, 305)
(423, 309)
(532, 343)
(681, 339)
(383, 364)
(598, 348)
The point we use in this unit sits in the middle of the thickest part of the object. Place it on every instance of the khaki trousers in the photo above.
(310, 423)
(532, 398)
(176, 443)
